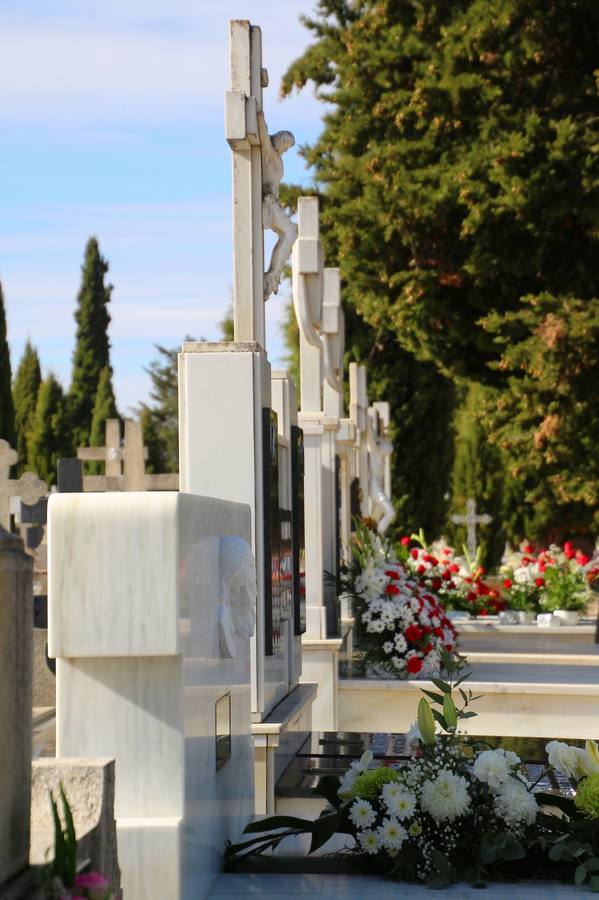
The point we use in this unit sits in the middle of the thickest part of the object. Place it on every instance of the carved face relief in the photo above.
(238, 588)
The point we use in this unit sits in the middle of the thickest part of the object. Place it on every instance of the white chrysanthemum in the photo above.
(388, 647)
(398, 663)
(362, 814)
(356, 768)
(369, 841)
(401, 644)
(514, 804)
(392, 834)
(563, 758)
(446, 796)
(493, 767)
(402, 805)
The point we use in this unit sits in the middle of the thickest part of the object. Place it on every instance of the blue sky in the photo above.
(111, 123)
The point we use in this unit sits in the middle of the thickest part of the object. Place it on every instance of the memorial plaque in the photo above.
(298, 542)
(272, 535)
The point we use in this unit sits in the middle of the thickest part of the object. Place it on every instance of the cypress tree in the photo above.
(25, 390)
(92, 348)
(477, 473)
(104, 408)
(50, 438)
(7, 412)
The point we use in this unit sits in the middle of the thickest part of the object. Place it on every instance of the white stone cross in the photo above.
(333, 342)
(257, 174)
(28, 487)
(111, 454)
(471, 520)
(308, 280)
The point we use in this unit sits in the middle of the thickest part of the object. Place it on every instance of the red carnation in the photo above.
(421, 569)
(426, 650)
(436, 584)
(568, 547)
(391, 574)
(484, 612)
(439, 632)
(414, 553)
(471, 596)
(445, 575)
(414, 665)
(454, 568)
(405, 541)
(581, 558)
(528, 548)
(507, 583)
(447, 551)
(413, 633)
(539, 582)
(392, 589)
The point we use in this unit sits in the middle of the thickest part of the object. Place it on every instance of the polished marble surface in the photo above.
(335, 887)
(140, 667)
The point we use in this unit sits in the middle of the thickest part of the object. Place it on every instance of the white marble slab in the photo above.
(182, 564)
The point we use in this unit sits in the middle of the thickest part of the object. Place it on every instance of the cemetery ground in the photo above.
(187, 655)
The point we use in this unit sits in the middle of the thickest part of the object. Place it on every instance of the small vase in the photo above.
(525, 617)
(567, 616)
(508, 617)
(458, 615)
(548, 620)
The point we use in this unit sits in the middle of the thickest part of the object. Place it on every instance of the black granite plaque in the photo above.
(222, 730)
(272, 535)
(70, 476)
(298, 543)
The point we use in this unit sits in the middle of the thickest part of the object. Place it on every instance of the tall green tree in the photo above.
(7, 412)
(25, 390)
(160, 418)
(92, 347)
(104, 408)
(458, 169)
(478, 473)
(50, 438)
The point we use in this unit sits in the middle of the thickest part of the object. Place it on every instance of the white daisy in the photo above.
(369, 841)
(362, 814)
(392, 834)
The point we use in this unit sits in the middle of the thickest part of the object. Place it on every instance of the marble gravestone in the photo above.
(151, 608)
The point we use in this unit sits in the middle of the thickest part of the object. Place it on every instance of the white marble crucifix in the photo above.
(257, 174)
(28, 487)
(471, 520)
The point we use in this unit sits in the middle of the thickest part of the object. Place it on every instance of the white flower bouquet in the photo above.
(455, 810)
(402, 625)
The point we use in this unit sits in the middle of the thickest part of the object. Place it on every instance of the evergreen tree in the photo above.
(104, 408)
(7, 412)
(457, 167)
(477, 473)
(92, 348)
(50, 438)
(160, 418)
(25, 390)
(227, 325)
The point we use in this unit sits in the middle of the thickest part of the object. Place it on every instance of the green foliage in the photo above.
(7, 413)
(227, 325)
(104, 408)
(92, 348)
(544, 419)
(587, 797)
(63, 867)
(160, 418)
(51, 436)
(369, 784)
(457, 168)
(478, 473)
(25, 390)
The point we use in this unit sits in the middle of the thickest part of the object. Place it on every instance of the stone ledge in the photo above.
(286, 710)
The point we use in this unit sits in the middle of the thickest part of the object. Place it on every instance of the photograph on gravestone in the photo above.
(297, 530)
(272, 535)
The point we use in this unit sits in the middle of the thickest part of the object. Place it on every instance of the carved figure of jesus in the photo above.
(274, 216)
(379, 449)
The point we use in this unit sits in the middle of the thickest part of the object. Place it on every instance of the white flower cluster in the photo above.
(513, 799)
(412, 624)
(575, 762)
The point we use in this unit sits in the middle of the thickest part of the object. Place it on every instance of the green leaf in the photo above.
(512, 849)
(58, 864)
(274, 822)
(440, 860)
(438, 698)
(592, 864)
(594, 882)
(556, 852)
(70, 841)
(442, 685)
(440, 719)
(580, 874)
(450, 712)
(323, 829)
(327, 787)
(565, 804)
(487, 852)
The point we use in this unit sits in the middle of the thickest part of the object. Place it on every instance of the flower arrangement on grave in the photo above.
(455, 809)
(458, 580)
(552, 579)
(62, 881)
(403, 625)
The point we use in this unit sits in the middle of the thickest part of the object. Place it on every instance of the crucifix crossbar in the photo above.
(28, 487)
(471, 520)
(125, 466)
